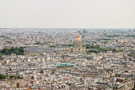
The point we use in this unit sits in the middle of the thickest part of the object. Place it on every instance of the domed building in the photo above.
(78, 45)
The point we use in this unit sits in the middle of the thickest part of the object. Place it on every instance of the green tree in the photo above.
(16, 52)
(9, 51)
(93, 51)
(20, 77)
(12, 77)
(2, 76)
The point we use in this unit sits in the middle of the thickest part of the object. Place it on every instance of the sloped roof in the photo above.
(39, 50)
(65, 64)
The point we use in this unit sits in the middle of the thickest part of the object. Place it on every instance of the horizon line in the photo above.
(56, 28)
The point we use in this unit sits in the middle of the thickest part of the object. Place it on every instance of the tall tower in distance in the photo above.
(78, 48)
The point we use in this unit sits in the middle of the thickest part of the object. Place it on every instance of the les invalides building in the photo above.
(78, 48)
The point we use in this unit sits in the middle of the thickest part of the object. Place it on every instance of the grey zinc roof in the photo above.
(39, 50)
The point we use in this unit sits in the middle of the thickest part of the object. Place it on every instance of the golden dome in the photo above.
(78, 38)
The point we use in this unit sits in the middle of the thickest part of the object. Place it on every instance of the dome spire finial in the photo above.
(78, 35)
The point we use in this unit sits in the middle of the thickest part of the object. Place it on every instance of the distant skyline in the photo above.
(67, 13)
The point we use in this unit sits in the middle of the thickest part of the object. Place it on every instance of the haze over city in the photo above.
(67, 13)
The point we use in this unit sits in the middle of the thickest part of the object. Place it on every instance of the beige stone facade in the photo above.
(32, 54)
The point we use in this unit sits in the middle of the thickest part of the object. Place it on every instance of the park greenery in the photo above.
(113, 36)
(15, 50)
(2, 76)
(97, 49)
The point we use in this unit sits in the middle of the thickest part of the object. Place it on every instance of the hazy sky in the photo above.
(67, 13)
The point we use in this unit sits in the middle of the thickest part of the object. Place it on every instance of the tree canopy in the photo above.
(98, 49)
(15, 50)
(2, 76)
